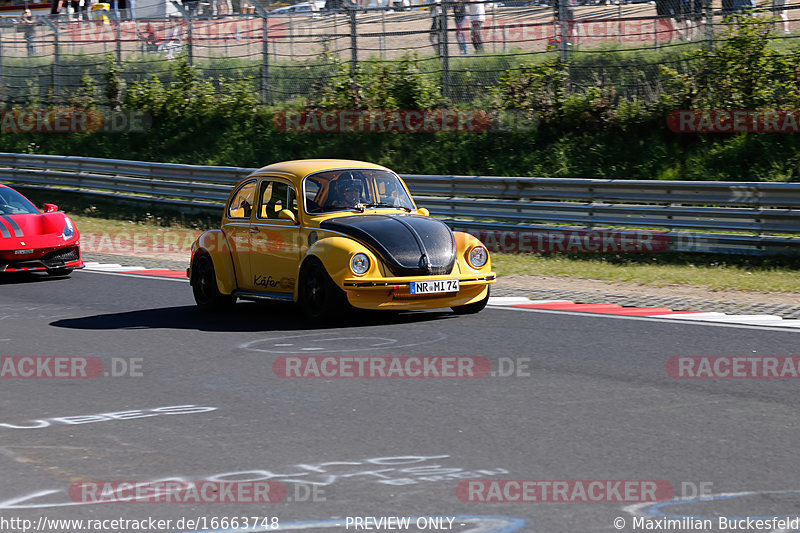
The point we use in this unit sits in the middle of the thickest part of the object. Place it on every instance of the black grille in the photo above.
(59, 257)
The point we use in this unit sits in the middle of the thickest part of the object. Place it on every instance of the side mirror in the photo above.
(50, 208)
(285, 214)
(424, 212)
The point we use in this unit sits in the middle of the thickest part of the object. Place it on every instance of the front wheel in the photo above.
(320, 298)
(471, 309)
(204, 286)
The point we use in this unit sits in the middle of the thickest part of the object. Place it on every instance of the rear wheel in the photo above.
(320, 298)
(471, 309)
(204, 286)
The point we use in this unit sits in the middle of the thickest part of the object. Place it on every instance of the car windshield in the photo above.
(339, 190)
(13, 203)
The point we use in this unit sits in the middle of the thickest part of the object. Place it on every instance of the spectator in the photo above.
(666, 20)
(462, 25)
(55, 8)
(29, 29)
(779, 8)
(86, 10)
(477, 16)
(149, 38)
(221, 8)
(437, 27)
(568, 19)
(192, 7)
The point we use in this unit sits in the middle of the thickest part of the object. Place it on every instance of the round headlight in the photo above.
(478, 256)
(359, 264)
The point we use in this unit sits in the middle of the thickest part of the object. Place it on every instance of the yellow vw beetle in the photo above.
(327, 233)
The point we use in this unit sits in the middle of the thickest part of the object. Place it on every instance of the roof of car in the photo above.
(304, 167)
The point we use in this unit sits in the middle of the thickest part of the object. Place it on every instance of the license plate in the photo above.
(23, 252)
(429, 287)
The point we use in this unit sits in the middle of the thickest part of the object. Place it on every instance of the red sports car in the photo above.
(31, 240)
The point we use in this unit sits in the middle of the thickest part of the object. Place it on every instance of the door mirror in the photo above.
(285, 214)
(50, 208)
(424, 212)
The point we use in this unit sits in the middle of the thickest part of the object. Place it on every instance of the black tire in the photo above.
(204, 286)
(59, 272)
(320, 298)
(471, 309)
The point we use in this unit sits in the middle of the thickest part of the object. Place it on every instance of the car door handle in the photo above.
(253, 230)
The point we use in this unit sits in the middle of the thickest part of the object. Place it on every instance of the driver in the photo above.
(349, 192)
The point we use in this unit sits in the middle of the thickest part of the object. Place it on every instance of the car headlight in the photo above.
(477, 257)
(69, 229)
(359, 264)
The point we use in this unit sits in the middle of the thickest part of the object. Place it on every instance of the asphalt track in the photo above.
(597, 404)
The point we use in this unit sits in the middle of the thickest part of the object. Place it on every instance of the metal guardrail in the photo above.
(725, 217)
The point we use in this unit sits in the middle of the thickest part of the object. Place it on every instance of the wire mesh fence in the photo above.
(465, 47)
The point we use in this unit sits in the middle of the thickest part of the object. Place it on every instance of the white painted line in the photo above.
(520, 300)
(102, 267)
(690, 316)
(671, 319)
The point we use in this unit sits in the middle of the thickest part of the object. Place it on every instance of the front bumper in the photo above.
(395, 293)
(67, 257)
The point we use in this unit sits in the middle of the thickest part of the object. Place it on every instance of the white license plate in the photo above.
(429, 287)
(23, 252)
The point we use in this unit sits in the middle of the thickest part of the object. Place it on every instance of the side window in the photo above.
(276, 196)
(312, 193)
(242, 203)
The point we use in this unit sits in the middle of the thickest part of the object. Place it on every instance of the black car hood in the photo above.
(410, 245)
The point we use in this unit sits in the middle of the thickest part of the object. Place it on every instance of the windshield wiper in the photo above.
(384, 204)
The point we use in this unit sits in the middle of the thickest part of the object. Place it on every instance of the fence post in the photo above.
(55, 76)
(709, 25)
(119, 41)
(382, 38)
(444, 50)
(190, 40)
(353, 43)
(265, 96)
(563, 13)
(189, 31)
(1, 62)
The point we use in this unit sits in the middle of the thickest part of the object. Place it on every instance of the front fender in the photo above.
(335, 253)
(464, 243)
(214, 243)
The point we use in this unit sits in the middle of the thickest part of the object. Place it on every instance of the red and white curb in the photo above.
(648, 312)
(134, 270)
